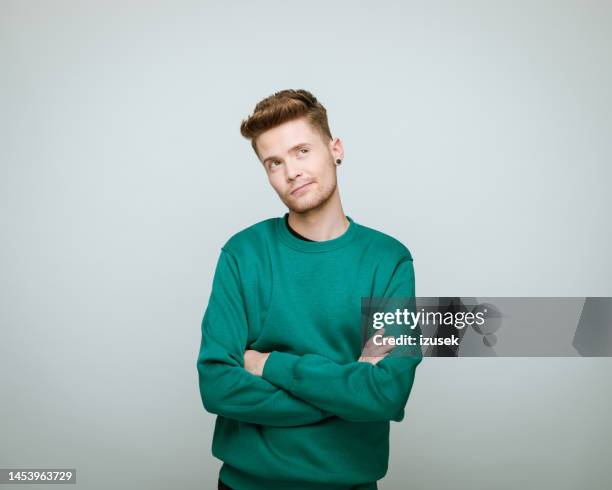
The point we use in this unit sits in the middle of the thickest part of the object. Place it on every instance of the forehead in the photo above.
(280, 138)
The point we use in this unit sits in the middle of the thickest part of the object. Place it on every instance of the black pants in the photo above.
(223, 486)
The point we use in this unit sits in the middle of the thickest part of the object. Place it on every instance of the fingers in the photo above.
(370, 344)
(370, 348)
(371, 359)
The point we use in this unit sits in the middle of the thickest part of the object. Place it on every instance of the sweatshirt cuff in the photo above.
(278, 369)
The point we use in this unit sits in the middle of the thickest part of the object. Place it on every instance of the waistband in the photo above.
(240, 480)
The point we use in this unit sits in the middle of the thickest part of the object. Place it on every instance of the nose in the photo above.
(293, 170)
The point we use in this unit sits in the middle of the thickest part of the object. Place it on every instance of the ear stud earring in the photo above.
(338, 161)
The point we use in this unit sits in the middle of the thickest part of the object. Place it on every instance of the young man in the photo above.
(302, 404)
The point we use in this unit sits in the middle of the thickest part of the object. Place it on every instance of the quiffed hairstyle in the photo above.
(281, 107)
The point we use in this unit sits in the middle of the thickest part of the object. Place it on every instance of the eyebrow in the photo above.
(294, 147)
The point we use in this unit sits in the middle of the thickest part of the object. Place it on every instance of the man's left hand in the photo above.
(254, 361)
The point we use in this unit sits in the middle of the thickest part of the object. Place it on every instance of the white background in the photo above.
(477, 133)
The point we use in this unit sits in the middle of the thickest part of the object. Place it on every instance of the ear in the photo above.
(336, 148)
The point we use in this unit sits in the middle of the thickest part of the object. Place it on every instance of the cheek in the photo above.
(277, 184)
(273, 179)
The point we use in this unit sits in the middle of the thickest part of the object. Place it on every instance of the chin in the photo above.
(302, 204)
(306, 204)
(301, 207)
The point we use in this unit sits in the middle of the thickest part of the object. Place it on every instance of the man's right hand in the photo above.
(373, 353)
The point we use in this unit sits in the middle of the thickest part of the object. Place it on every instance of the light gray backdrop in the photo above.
(478, 133)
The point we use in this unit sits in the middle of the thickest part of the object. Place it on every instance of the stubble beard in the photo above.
(315, 198)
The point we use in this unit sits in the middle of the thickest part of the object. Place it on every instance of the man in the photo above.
(302, 404)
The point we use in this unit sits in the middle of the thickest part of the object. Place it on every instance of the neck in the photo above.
(322, 223)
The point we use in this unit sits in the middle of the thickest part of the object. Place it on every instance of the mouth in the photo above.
(300, 189)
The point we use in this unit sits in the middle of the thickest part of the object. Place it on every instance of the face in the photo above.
(300, 164)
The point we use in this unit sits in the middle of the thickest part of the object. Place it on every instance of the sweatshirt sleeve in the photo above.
(226, 388)
(357, 391)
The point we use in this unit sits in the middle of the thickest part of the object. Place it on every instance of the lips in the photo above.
(300, 187)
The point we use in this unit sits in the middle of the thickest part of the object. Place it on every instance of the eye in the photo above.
(272, 162)
(304, 149)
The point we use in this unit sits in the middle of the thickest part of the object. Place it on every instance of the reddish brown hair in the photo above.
(281, 107)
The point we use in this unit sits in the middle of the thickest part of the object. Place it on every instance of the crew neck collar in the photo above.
(323, 246)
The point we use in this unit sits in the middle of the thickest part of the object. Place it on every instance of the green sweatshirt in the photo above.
(317, 419)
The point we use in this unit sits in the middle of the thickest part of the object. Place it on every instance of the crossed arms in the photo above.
(283, 389)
